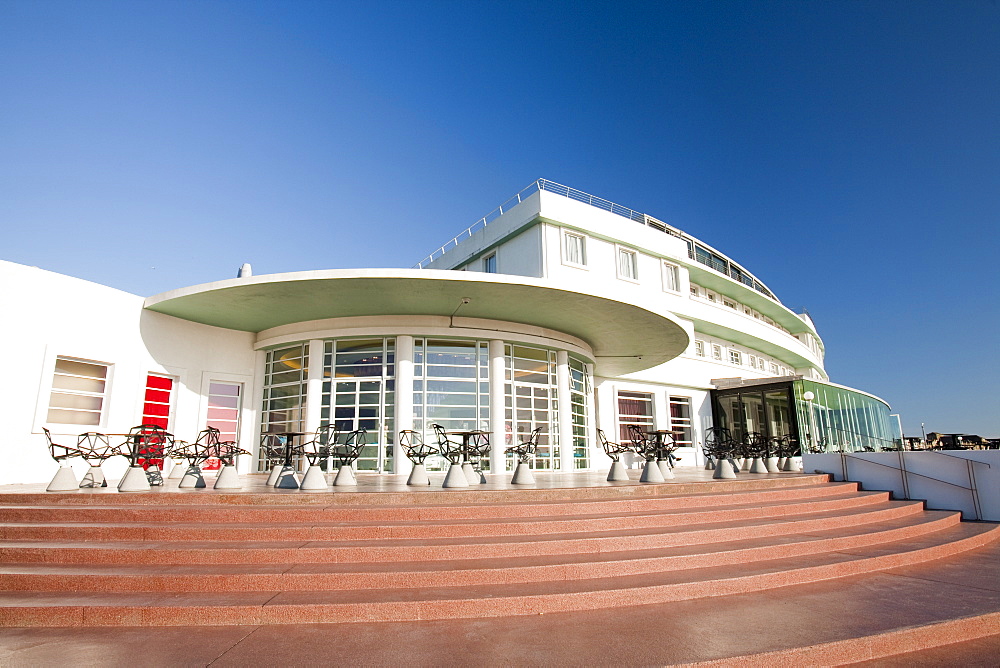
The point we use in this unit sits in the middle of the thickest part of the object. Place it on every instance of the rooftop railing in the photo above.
(696, 251)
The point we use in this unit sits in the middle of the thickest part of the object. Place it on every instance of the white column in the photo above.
(593, 448)
(498, 418)
(314, 387)
(565, 412)
(256, 394)
(404, 402)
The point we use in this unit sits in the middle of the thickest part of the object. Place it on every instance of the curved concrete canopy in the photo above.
(625, 337)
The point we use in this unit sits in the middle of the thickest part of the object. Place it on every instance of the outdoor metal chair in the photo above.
(447, 448)
(347, 449)
(614, 451)
(147, 446)
(95, 447)
(524, 451)
(64, 479)
(642, 445)
(412, 443)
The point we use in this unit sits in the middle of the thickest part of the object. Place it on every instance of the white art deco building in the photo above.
(558, 310)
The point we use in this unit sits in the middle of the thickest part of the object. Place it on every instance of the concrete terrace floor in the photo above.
(764, 627)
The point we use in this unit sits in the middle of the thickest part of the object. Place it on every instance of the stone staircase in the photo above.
(195, 557)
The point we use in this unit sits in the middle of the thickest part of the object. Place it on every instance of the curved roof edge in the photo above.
(624, 336)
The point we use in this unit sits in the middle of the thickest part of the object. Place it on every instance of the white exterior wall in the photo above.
(62, 316)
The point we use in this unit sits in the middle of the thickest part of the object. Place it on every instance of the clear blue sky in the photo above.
(848, 153)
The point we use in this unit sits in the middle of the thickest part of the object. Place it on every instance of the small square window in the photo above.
(730, 304)
(736, 357)
(694, 290)
(699, 348)
(671, 277)
(574, 249)
(716, 351)
(774, 368)
(628, 264)
(490, 264)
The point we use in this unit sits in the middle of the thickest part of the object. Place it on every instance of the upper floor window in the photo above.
(736, 357)
(78, 392)
(628, 264)
(774, 368)
(671, 277)
(694, 290)
(716, 351)
(729, 303)
(699, 348)
(574, 249)
(490, 263)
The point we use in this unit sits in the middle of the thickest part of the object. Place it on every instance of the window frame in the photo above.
(699, 348)
(621, 251)
(717, 352)
(670, 269)
(490, 263)
(735, 357)
(104, 395)
(563, 249)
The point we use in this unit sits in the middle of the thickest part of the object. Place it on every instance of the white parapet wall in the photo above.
(941, 478)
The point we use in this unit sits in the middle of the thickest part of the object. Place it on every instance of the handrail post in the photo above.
(902, 476)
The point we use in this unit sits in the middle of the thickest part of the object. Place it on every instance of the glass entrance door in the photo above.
(358, 405)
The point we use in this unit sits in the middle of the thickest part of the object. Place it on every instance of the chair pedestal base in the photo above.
(665, 470)
(651, 472)
(193, 478)
(287, 479)
(273, 477)
(758, 466)
(790, 465)
(724, 470)
(135, 480)
(522, 475)
(64, 480)
(781, 463)
(618, 473)
(771, 463)
(418, 476)
(178, 469)
(314, 479)
(94, 477)
(154, 475)
(470, 473)
(228, 478)
(456, 477)
(345, 477)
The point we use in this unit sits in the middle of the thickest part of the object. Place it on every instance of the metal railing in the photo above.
(904, 473)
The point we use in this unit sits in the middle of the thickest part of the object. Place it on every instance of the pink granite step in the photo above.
(537, 568)
(438, 548)
(446, 602)
(181, 525)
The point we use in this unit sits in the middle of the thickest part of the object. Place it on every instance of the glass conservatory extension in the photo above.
(819, 416)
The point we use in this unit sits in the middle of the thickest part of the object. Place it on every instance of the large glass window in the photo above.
(79, 390)
(634, 408)
(579, 383)
(838, 419)
(532, 402)
(358, 393)
(680, 420)
(284, 407)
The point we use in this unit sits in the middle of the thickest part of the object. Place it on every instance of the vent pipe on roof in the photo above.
(246, 271)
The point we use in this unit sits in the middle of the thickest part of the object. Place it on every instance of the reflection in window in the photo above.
(634, 408)
(671, 277)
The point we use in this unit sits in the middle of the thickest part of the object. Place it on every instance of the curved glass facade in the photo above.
(836, 419)
(451, 387)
